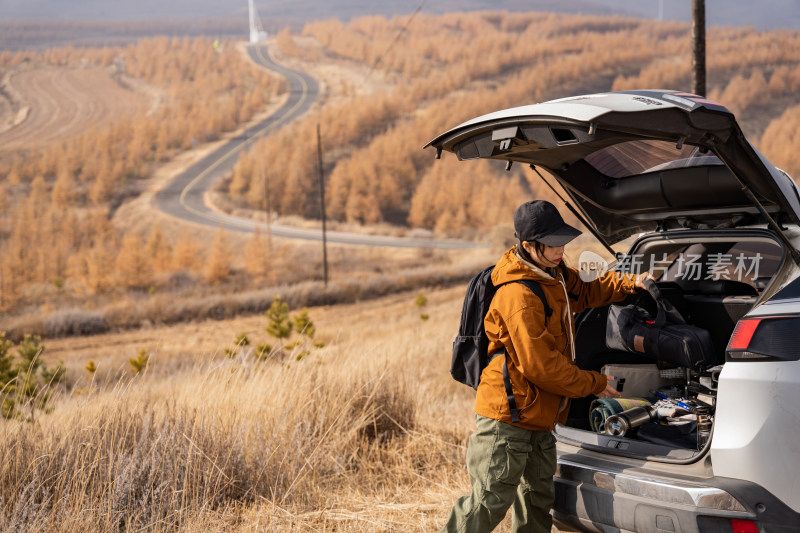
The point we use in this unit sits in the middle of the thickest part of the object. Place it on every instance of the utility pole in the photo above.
(268, 212)
(322, 207)
(699, 47)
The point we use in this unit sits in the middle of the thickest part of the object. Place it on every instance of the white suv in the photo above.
(718, 226)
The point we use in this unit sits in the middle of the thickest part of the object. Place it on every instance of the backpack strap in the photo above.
(537, 290)
(512, 402)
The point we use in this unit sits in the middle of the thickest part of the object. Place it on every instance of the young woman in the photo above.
(511, 458)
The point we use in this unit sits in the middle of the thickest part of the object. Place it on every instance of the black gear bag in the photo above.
(665, 337)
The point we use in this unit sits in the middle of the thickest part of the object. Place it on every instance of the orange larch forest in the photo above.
(57, 202)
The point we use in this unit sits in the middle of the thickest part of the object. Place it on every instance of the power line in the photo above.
(397, 38)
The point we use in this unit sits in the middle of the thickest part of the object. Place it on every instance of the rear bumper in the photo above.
(604, 499)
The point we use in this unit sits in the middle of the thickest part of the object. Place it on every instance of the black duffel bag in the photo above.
(666, 337)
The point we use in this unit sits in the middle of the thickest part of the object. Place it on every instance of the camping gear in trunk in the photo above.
(665, 337)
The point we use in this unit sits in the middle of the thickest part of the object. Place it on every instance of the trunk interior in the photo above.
(713, 278)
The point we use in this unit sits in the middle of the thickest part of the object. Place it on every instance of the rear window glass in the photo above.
(753, 262)
(640, 157)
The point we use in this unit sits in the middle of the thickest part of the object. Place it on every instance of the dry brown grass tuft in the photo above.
(366, 434)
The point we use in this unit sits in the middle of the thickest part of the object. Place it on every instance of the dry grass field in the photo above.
(365, 434)
(45, 105)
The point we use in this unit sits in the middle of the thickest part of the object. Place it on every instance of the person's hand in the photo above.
(640, 278)
(610, 391)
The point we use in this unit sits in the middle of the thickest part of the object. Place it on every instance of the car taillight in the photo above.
(743, 333)
(766, 338)
(743, 526)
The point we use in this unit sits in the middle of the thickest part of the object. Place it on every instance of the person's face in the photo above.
(549, 257)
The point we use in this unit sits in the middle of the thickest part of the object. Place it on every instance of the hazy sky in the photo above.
(763, 14)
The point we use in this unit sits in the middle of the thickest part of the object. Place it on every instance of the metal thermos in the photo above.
(621, 423)
(703, 426)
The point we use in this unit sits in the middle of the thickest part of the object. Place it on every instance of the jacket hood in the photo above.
(512, 268)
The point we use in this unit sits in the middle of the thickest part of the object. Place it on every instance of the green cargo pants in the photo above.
(507, 465)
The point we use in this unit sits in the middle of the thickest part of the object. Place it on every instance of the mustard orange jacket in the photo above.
(540, 357)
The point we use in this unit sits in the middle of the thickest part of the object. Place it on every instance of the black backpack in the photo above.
(471, 346)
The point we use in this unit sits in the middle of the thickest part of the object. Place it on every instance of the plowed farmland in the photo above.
(44, 105)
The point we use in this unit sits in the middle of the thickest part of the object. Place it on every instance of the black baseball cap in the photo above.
(540, 221)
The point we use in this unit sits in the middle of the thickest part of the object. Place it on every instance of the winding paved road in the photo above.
(184, 196)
